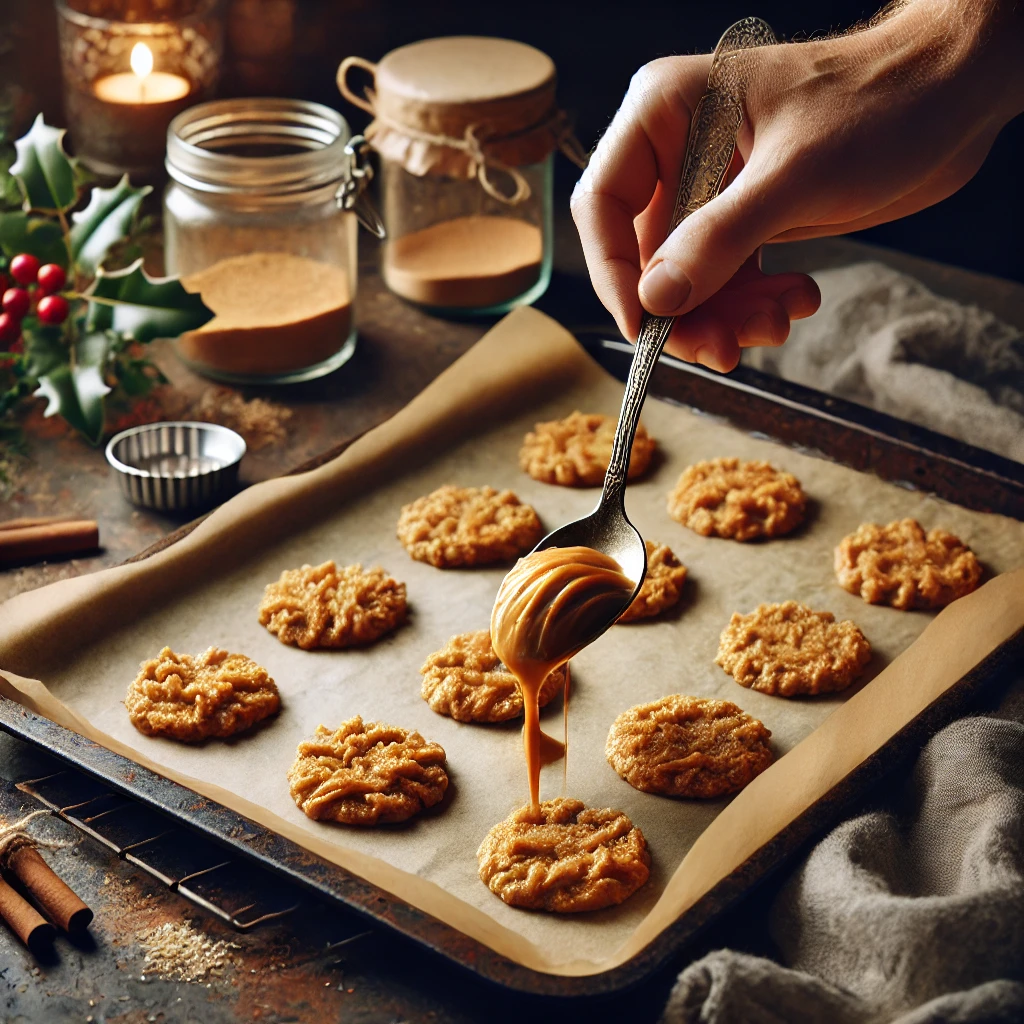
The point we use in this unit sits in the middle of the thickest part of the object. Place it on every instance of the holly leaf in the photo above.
(131, 303)
(76, 390)
(104, 222)
(35, 235)
(43, 170)
(44, 347)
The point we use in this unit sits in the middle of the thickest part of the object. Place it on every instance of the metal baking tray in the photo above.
(795, 415)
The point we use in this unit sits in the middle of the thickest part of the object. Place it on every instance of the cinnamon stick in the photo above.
(49, 890)
(17, 524)
(32, 543)
(25, 921)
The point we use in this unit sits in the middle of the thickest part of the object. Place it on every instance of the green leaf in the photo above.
(104, 222)
(44, 347)
(141, 307)
(76, 392)
(46, 175)
(35, 235)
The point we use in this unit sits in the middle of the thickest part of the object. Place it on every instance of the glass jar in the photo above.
(466, 128)
(253, 221)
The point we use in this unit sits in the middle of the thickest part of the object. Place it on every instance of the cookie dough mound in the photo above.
(789, 650)
(662, 586)
(574, 452)
(902, 566)
(324, 606)
(564, 858)
(467, 681)
(192, 698)
(464, 526)
(367, 773)
(688, 746)
(738, 500)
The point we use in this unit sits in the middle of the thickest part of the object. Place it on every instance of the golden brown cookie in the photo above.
(467, 681)
(902, 566)
(574, 452)
(192, 698)
(662, 586)
(324, 606)
(789, 650)
(688, 746)
(739, 500)
(464, 526)
(367, 773)
(564, 858)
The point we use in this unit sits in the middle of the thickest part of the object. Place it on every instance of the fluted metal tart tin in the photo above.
(176, 466)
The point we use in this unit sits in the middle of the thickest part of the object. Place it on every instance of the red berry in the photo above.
(52, 309)
(10, 329)
(24, 268)
(51, 278)
(16, 302)
(5, 283)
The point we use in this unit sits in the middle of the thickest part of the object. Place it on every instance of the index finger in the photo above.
(623, 201)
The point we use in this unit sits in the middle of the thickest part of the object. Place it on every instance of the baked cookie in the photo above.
(324, 606)
(902, 566)
(463, 526)
(467, 681)
(688, 746)
(662, 586)
(789, 650)
(574, 452)
(738, 500)
(564, 857)
(192, 698)
(366, 773)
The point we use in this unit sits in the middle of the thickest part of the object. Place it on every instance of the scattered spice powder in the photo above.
(177, 951)
(261, 422)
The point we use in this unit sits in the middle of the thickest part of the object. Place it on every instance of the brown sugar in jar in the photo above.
(274, 313)
(471, 261)
(466, 128)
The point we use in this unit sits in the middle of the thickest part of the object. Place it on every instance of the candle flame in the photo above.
(141, 60)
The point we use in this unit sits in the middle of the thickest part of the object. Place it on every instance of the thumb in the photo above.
(711, 245)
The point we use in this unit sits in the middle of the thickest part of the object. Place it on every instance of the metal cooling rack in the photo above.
(183, 861)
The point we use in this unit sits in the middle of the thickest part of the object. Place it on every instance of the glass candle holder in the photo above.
(129, 67)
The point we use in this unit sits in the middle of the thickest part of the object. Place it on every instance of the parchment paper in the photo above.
(69, 650)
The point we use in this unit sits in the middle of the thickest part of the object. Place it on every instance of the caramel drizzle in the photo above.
(548, 608)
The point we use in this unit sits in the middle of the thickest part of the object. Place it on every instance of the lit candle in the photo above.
(142, 84)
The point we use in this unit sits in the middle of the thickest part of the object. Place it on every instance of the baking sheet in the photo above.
(69, 650)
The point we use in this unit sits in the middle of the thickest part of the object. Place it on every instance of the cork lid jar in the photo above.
(466, 127)
(462, 106)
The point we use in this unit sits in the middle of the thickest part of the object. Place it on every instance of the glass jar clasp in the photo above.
(351, 194)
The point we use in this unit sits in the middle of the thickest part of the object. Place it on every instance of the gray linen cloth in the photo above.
(883, 339)
(912, 913)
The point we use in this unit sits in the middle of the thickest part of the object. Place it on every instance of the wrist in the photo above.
(972, 46)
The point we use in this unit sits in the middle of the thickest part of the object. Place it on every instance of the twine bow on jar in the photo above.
(467, 138)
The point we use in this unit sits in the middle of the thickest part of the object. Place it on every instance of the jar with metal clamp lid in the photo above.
(466, 128)
(260, 218)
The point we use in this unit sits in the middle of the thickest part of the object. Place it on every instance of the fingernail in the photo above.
(758, 330)
(794, 302)
(664, 288)
(707, 355)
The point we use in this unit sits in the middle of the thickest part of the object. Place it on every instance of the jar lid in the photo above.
(459, 105)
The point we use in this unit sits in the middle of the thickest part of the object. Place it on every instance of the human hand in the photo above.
(838, 135)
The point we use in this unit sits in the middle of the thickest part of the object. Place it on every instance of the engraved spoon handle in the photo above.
(709, 151)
